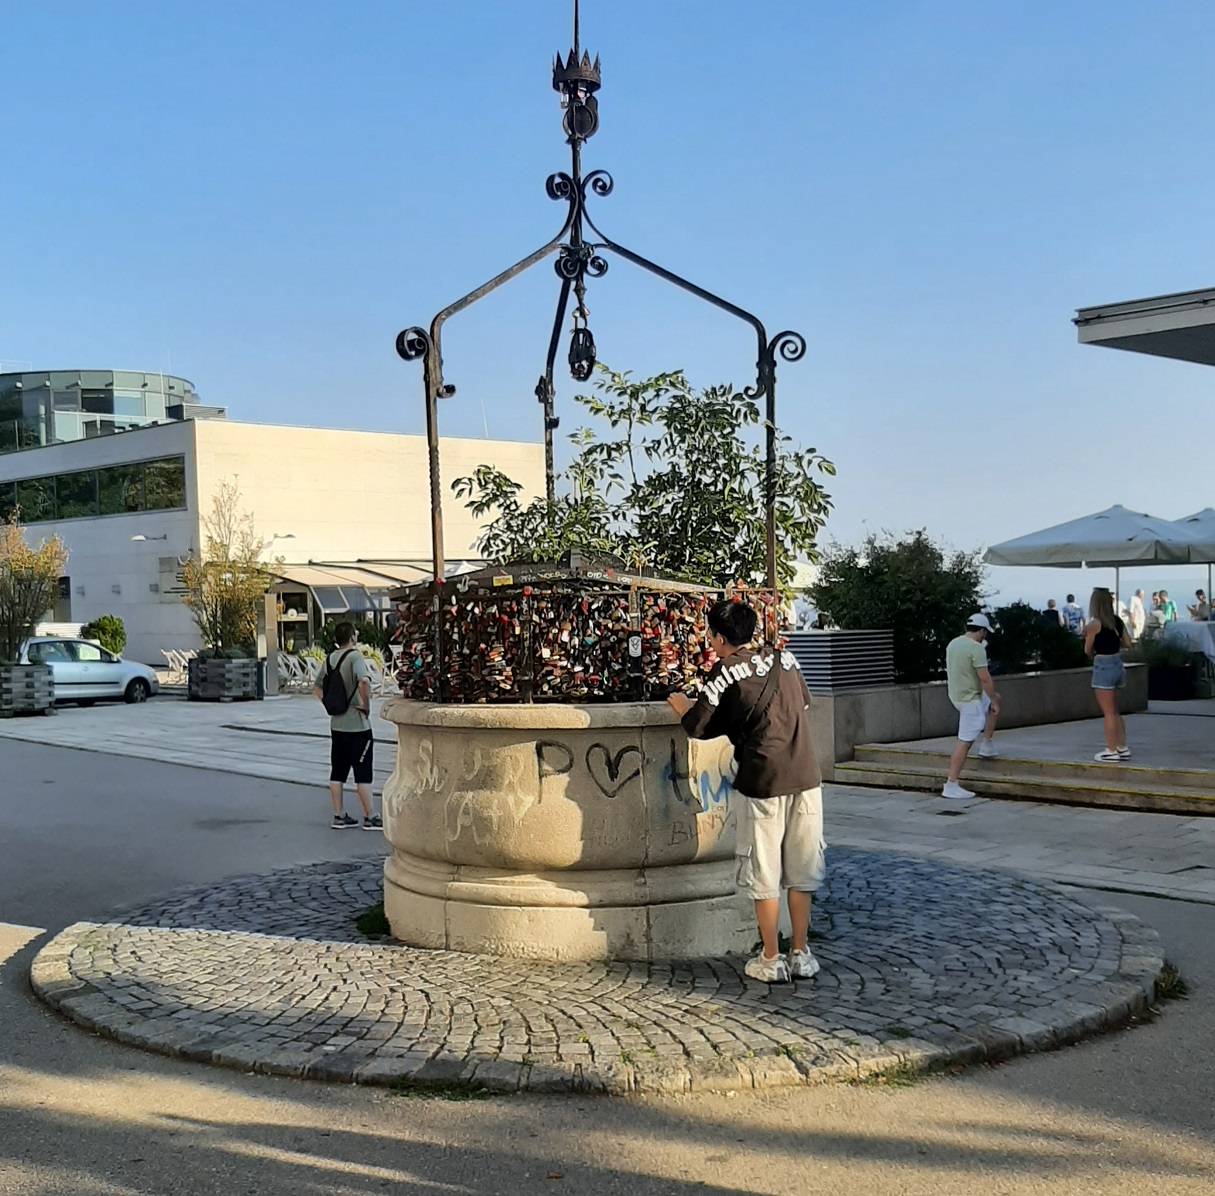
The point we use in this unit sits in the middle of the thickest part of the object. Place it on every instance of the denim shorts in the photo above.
(1109, 672)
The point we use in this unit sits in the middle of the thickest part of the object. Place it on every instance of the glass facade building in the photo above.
(155, 485)
(54, 406)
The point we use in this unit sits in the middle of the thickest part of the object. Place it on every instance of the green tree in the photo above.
(29, 579)
(666, 475)
(909, 585)
(224, 583)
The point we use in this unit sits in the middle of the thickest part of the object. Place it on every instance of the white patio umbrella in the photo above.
(1114, 537)
(1201, 526)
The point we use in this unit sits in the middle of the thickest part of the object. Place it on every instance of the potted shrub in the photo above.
(224, 585)
(28, 581)
(1170, 669)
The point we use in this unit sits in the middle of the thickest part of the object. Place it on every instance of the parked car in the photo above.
(85, 671)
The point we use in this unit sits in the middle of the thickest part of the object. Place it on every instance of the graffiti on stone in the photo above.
(606, 768)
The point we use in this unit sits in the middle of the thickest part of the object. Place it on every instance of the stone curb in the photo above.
(230, 1041)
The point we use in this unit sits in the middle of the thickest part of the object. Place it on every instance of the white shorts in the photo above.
(972, 717)
(780, 844)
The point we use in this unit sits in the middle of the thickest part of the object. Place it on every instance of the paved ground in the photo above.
(286, 739)
(1130, 1114)
(1162, 737)
(923, 965)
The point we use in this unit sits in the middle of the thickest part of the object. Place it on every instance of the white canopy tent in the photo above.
(1114, 537)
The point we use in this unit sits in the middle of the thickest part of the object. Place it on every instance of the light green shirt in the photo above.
(963, 659)
(354, 668)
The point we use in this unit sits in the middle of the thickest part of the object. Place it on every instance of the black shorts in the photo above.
(350, 749)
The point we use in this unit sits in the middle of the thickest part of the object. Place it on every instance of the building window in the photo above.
(164, 484)
(77, 494)
(158, 485)
(120, 489)
(36, 499)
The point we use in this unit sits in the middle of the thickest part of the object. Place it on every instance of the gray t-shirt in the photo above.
(353, 670)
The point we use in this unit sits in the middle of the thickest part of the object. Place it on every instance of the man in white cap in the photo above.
(973, 692)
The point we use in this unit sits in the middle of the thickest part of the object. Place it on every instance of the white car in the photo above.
(84, 671)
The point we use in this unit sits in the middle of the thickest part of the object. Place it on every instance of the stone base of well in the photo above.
(561, 832)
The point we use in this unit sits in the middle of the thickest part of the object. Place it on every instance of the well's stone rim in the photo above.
(528, 716)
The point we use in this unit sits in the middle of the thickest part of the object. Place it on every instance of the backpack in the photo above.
(334, 697)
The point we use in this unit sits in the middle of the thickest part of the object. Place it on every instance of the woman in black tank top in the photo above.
(1104, 638)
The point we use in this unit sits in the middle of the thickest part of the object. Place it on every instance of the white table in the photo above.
(1197, 637)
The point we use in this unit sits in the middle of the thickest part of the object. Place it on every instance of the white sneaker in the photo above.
(987, 750)
(802, 964)
(770, 971)
(954, 790)
(1124, 753)
(1107, 757)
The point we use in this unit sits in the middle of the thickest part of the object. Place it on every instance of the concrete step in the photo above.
(1128, 774)
(1113, 794)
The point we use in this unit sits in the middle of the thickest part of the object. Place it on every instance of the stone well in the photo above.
(561, 832)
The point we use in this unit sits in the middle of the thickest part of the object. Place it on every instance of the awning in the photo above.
(1180, 326)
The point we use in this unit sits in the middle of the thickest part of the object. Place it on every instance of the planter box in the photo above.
(26, 689)
(222, 680)
(1175, 684)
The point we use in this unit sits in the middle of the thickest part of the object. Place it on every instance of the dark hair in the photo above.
(733, 621)
(1071, 597)
(343, 633)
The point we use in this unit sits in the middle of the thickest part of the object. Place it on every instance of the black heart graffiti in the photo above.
(605, 762)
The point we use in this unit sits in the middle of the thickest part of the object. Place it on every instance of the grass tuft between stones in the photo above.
(1170, 984)
(453, 1090)
(373, 922)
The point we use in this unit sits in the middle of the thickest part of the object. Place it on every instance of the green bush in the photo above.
(911, 586)
(1161, 653)
(370, 635)
(1025, 642)
(108, 631)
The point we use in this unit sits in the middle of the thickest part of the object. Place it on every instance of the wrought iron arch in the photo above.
(579, 257)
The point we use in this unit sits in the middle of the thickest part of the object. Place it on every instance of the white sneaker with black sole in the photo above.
(770, 971)
(954, 790)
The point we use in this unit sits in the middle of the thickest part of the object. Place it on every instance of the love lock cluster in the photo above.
(553, 643)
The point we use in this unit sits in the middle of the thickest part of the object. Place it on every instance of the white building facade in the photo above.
(130, 506)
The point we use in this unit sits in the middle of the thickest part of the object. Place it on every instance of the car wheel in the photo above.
(85, 702)
(138, 691)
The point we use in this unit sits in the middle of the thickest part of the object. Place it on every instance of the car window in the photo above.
(87, 653)
(48, 652)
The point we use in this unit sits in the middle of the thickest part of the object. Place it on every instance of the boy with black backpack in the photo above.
(759, 700)
(345, 691)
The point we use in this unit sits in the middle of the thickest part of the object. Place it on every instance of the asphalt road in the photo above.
(84, 833)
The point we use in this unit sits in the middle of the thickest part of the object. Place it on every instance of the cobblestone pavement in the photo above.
(923, 964)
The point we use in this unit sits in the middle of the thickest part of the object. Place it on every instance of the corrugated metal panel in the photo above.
(832, 660)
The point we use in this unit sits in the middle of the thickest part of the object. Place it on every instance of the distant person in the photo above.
(973, 693)
(1105, 636)
(1073, 615)
(343, 685)
(1052, 616)
(759, 701)
(1138, 616)
(1201, 610)
(1168, 608)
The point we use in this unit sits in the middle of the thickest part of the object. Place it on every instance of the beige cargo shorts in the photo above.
(780, 844)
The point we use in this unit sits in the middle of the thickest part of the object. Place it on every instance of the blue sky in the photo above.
(261, 196)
